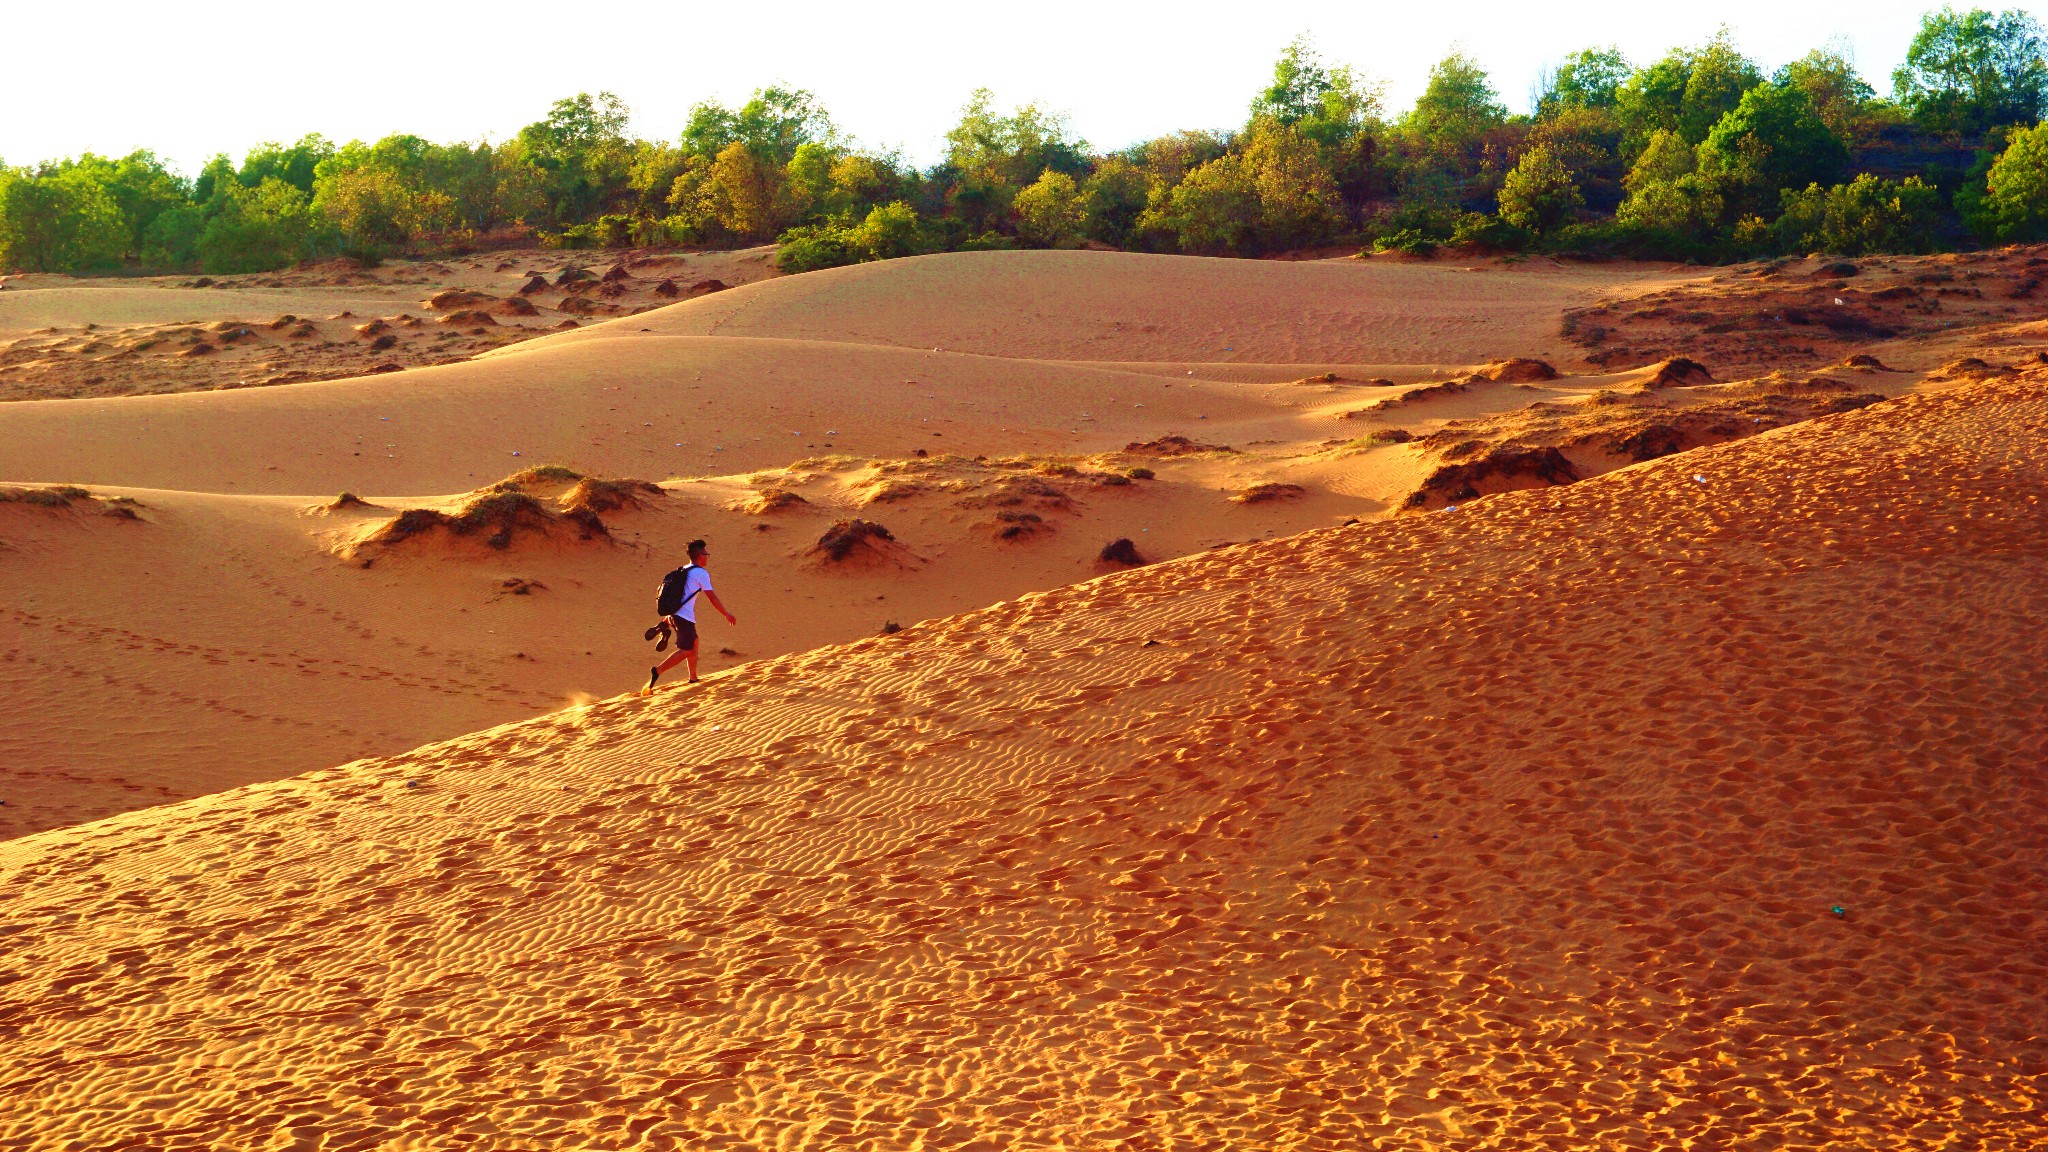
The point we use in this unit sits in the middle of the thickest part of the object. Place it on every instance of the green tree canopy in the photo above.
(1588, 78)
(1839, 96)
(1972, 71)
(2013, 205)
(1539, 193)
(1772, 140)
(1458, 106)
(294, 164)
(1688, 91)
(579, 155)
(61, 221)
(772, 124)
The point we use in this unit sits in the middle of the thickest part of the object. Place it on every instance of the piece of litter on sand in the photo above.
(1699, 479)
(515, 453)
(1838, 910)
(1450, 507)
(716, 727)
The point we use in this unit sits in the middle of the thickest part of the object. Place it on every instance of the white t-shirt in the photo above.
(695, 584)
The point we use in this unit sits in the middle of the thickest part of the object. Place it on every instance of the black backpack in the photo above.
(672, 598)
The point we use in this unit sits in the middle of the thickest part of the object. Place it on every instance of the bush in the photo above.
(2013, 204)
(257, 229)
(1490, 233)
(1772, 140)
(1050, 213)
(1408, 241)
(891, 231)
(988, 242)
(59, 223)
(172, 239)
(1539, 193)
(811, 248)
(1869, 214)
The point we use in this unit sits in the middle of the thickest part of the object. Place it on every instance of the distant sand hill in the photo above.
(1696, 805)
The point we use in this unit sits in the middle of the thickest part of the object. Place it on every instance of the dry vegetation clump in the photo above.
(51, 496)
(1518, 370)
(1266, 493)
(1866, 363)
(667, 288)
(495, 515)
(1017, 491)
(1014, 525)
(774, 501)
(1415, 396)
(595, 496)
(500, 513)
(1497, 468)
(64, 497)
(449, 298)
(890, 490)
(1166, 447)
(540, 474)
(855, 540)
(1677, 372)
(517, 306)
(468, 318)
(346, 502)
(1121, 553)
(1970, 368)
(534, 283)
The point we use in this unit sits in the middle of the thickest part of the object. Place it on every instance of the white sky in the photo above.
(193, 80)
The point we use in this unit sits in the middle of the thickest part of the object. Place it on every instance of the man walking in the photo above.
(678, 608)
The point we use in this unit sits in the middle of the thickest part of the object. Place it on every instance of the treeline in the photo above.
(1699, 154)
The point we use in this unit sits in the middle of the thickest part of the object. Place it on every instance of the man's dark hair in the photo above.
(696, 549)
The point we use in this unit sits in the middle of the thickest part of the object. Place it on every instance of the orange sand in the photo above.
(1515, 827)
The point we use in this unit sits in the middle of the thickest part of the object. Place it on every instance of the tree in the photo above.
(1665, 193)
(255, 229)
(59, 222)
(294, 165)
(1839, 96)
(1457, 107)
(749, 195)
(141, 185)
(1539, 193)
(990, 157)
(773, 124)
(1113, 198)
(1050, 212)
(1869, 214)
(1687, 92)
(579, 155)
(1966, 73)
(1325, 105)
(2013, 205)
(1588, 78)
(1772, 140)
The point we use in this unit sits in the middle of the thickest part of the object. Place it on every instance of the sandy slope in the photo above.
(1515, 827)
(218, 640)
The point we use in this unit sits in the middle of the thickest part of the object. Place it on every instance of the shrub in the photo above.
(59, 222)
(1869, 214)
(1773, 139)
(1539, 193)
(810, 248)
(255, 229)
(1490, 233)
(1050, 213)
(1409, 241)
(2013, 204)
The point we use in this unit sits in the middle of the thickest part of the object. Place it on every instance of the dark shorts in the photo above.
(686, 633)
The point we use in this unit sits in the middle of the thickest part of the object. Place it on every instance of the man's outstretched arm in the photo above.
(718, 604)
